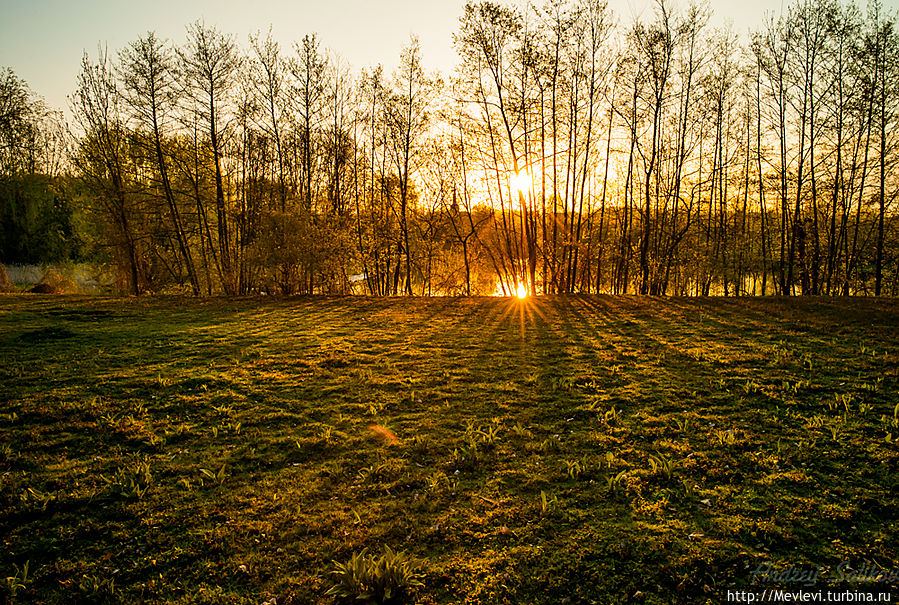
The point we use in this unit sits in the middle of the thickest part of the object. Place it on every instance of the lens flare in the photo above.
(383, 434)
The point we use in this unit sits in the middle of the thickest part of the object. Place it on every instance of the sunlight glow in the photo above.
(516, 289)
(521, 181)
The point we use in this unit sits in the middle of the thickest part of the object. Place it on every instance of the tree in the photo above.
(309, 73)
(146, 73)
(407, 120)
(209, 63)
(101, 159)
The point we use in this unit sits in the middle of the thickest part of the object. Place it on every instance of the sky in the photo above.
(43, 40)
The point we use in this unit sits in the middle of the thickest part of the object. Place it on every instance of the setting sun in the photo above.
(521, 181)
(521, 291)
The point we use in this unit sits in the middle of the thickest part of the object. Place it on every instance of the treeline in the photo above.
(38, 221)
(663, 157)
(568, 153)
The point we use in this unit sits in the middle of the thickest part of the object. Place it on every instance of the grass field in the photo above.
(594, 449)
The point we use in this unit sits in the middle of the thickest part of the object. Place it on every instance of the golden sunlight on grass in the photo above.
(443, 437)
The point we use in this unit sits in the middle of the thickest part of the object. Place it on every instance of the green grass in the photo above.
(176, 450)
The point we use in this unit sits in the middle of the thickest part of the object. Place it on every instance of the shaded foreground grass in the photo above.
(591, 449)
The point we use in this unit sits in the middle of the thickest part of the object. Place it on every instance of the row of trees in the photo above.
(667, 158)
(567, 153)
(37, 222)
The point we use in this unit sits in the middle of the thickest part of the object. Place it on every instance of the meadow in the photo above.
(483, 450)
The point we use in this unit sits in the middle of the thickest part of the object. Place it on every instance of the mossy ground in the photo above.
(592, 449)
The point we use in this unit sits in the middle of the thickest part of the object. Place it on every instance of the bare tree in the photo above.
(407, 119)
(209, 63)
(102, 156)
(146, 73)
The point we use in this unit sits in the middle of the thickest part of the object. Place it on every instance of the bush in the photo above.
(54, 282)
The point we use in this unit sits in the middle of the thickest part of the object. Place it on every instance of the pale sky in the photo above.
(43, 40)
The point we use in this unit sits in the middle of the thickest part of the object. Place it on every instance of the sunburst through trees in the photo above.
(570, 151)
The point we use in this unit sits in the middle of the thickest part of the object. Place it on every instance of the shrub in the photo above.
(54, 282)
